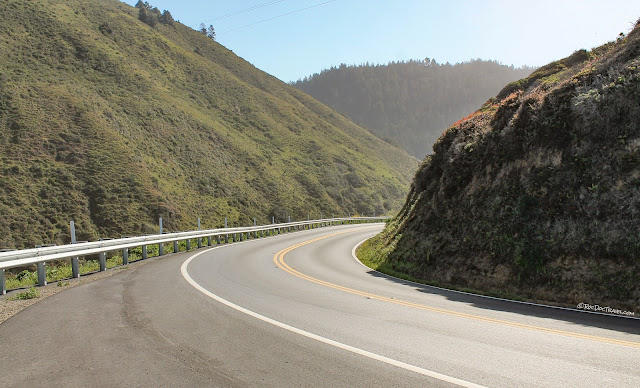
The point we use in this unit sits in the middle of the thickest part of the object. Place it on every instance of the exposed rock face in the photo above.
(537, 193)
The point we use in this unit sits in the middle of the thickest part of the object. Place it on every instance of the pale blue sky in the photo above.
(378, 31)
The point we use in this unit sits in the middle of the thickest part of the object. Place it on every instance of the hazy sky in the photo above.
(378, 31)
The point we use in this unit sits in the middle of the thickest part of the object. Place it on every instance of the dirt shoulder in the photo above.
(10, 307)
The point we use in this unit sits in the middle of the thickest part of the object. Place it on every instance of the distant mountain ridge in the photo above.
(537, 194)
(113, 119)
(410, 103)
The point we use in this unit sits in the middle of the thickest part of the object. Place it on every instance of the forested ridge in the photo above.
(410, 103)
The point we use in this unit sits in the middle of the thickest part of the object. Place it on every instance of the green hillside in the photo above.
(410, 103)
(113, 123)
(536, 195)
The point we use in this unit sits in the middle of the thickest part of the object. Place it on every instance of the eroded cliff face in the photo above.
(537, 194)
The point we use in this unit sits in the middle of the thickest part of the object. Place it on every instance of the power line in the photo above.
(279, 16)
(244, 10)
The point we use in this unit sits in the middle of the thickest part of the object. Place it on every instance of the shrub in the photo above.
(31, 293)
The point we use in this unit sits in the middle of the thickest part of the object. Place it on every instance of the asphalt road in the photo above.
(298, 310)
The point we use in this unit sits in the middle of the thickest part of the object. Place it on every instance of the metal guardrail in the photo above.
(40, 256)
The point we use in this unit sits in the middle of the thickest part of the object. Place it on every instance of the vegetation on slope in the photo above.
(409, 103)
(537, 194)
(112, 122)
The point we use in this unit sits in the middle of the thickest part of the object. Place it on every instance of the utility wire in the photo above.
(244, 10)
(276, 17)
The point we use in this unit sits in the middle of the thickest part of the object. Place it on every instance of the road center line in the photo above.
(340, 345)
(278, 258)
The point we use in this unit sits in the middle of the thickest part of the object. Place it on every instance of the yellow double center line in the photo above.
(278, 258)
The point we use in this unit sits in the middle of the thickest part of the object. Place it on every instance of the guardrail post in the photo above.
(199, 238)
(175, 247)
(226, 238)
(102, 257)
(42, 274)
(144, 252)
(241, 236)
(125, 256)
(160, 245)
(218, 239)
(75, 266)
(3, 289)
(188, 244)
(208, 241)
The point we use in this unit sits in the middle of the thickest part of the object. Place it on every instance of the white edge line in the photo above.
(353, 253)
(374, 356)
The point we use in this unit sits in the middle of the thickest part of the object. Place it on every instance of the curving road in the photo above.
(298, 310)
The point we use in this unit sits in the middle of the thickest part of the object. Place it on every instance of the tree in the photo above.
(146, 16)
(166, 18)
(140, 4)
(210, 32)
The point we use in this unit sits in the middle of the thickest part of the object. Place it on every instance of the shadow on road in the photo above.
(617, 323)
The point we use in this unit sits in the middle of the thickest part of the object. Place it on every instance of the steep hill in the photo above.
(410, 103)
(113, 122)
(537, 194)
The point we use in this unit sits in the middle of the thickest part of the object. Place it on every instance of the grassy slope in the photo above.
(537, 194)
(112, 123)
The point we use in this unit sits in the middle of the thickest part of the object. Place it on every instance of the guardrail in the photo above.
(40, 256)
